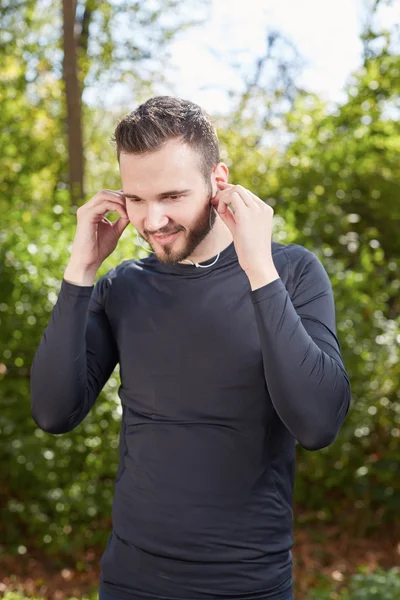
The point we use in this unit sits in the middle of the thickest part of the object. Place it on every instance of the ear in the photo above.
(220, 173)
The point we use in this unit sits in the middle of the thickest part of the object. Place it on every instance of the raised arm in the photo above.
(77, 352)
(74, 359)
(303, 366)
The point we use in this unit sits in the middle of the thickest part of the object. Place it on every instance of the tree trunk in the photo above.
(74, 104)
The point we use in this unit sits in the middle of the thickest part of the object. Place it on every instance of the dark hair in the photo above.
(164, 118)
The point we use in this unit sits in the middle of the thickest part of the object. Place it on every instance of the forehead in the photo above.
(174, 166)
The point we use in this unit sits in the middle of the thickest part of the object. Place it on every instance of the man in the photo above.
(228, 354)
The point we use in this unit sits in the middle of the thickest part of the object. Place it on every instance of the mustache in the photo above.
(169, 232)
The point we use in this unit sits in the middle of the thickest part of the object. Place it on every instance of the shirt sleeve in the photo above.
(74, 359)
(303, 366)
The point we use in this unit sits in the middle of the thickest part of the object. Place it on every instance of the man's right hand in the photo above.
(96, 237)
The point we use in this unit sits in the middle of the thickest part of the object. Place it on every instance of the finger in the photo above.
(257, 200)
(109, 206)
(224, 184)
(239, 207)
(106, 195)
(117, 196)
(121, 194)
(245, 195)
(117, 192)
(114, 194)
(229, 219)
(120, 225)
(242, 192)
(248, 197)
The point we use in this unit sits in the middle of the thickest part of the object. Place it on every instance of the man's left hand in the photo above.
(250, 223)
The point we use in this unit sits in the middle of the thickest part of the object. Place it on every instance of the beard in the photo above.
(203, 226)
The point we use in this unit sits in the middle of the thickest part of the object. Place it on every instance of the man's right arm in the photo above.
(75, 357)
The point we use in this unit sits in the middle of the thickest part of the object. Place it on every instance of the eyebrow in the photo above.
(160, 196)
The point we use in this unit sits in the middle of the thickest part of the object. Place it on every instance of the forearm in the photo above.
(308, 387)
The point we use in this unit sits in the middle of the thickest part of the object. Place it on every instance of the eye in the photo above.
(174, 197)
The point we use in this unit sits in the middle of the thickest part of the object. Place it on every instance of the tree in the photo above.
(94, 45)
(73, 99)
(121, 54)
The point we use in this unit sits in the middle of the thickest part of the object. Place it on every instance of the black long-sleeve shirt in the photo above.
(217, 382)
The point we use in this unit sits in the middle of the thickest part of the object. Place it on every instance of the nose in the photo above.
(155, 219)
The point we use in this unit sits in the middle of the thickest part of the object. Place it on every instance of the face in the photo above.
(166, 194)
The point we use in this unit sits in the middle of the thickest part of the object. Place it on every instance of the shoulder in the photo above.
(301, 265)
(126, 269)
(111, 281)
(294, 253)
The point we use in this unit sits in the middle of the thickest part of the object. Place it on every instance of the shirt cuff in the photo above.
(267, 291)
(76, 290)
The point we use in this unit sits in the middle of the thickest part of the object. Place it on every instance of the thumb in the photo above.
(227, 217)
(120, 225)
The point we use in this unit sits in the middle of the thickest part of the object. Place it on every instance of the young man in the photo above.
(228, 354)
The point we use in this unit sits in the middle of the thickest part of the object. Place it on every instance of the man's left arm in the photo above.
(303, 366)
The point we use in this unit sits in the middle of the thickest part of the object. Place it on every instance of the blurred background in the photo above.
(306, 98)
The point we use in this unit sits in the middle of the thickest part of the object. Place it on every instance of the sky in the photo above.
(324, 32)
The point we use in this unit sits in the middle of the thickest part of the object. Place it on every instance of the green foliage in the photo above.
(341, 188)
(335, 189)
(119, 50)
(382, 585)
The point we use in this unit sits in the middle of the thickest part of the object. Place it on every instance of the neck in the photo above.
(216, 241)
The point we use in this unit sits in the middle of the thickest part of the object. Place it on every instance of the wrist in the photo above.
(262, 277)
(80, 275)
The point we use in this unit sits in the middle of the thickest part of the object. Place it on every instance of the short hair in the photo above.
(164, 118)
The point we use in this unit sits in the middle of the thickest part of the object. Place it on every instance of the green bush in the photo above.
(381, 585)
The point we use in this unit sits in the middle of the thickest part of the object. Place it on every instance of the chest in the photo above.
(190, 349)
